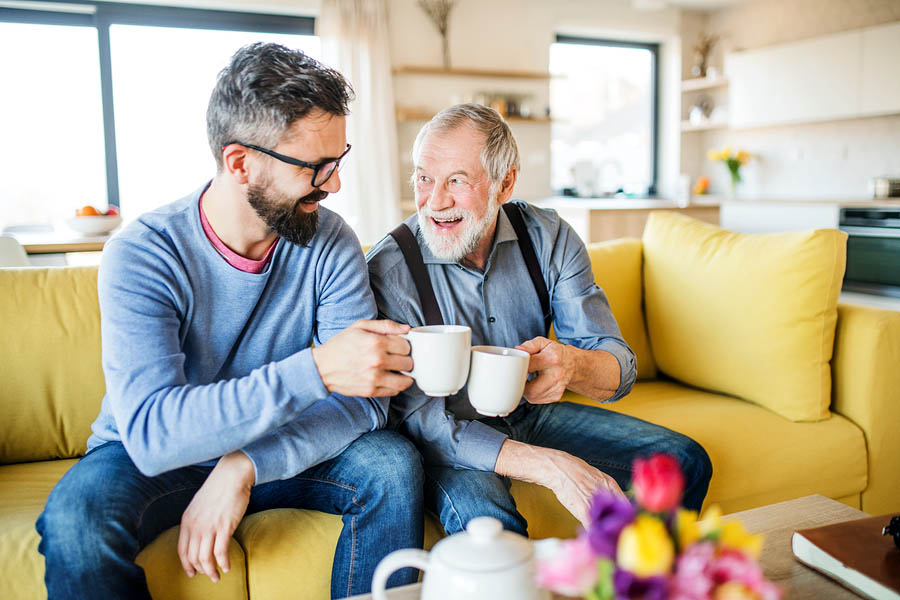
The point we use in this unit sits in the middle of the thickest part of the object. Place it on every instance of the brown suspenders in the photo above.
(413, 255)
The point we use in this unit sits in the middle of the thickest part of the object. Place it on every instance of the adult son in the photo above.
(216, 405)
(466, 163)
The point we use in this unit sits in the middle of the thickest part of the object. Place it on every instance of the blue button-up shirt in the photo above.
(503, 309)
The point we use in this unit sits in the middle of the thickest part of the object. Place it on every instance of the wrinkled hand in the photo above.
(574, 482)
(555, 366)
(363, 359)
(213, 514)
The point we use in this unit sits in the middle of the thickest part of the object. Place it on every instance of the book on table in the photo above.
(855, 553)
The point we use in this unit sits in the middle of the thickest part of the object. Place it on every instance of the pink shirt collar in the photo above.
(231, 257)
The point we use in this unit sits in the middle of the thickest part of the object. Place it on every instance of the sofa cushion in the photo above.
(617, 269)
(50, 369)
(23, 492)
(758, 456)
(751, 315)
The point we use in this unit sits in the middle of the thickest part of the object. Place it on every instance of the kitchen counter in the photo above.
(601, 219)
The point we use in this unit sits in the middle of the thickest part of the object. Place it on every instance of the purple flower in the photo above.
(608, 515)
(628, 585)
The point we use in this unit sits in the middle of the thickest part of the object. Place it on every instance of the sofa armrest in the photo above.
(866, 389)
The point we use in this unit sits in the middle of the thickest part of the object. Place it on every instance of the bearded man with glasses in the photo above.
(244, 368)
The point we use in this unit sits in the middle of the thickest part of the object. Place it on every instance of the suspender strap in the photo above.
(413, 255)
(514, 214)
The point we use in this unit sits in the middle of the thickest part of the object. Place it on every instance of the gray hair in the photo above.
(500, 152)
(266, 88)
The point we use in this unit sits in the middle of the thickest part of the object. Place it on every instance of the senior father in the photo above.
(465, 167)
(216, 403)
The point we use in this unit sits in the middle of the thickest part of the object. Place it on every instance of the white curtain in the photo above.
(354, 36)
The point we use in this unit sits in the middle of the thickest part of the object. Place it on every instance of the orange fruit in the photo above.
(87, 211)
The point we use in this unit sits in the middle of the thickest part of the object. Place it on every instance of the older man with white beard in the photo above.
(474, 256)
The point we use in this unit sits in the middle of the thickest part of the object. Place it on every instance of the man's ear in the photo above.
(234, 163)
(506, 188)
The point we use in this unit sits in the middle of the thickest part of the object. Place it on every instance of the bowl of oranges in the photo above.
(91, 221)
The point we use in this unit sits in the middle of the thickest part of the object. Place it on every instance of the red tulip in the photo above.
(657, 482)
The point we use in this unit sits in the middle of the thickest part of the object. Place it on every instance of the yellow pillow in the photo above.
(51, 383)
(751, 315)
(617, 269)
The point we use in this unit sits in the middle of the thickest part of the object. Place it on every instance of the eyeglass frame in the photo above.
(297, 162)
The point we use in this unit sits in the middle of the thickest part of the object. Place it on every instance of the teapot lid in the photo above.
(483, 547)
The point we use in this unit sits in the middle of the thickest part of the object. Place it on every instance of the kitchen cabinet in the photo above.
(812, 80)
(880, 74)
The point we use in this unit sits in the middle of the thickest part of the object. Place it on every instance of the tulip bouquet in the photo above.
(734, 162)
(650, 548)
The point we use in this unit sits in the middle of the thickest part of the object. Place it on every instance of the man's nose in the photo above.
(333, 185)
(440, 199)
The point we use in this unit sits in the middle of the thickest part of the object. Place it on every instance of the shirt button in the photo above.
(491, 319)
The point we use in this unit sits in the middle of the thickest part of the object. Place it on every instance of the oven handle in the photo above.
(881, 232)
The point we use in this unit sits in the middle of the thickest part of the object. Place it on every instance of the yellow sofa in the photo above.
(51, 385)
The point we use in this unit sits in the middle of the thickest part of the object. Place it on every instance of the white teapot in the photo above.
(482, 563)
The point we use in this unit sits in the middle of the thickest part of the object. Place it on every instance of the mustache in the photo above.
(312, 197)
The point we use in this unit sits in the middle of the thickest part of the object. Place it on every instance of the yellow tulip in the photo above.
(726, 152)
(686, 527)
(743, 157)
(645, 547)
(711, 520)
(734, 590)
(713, 155)
(734, 536)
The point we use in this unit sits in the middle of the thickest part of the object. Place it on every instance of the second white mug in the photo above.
(497, 379)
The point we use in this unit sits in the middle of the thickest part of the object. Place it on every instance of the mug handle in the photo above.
(397, 559)
(406, 337)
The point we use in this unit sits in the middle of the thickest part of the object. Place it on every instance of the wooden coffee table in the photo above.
(778, 523)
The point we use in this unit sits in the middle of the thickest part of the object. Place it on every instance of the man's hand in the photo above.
(213, 515)
(570, 478)
(362, 360)
(555, 366)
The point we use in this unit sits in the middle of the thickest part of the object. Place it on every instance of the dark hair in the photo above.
(264, 89)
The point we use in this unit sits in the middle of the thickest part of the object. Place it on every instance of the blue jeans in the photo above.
(104, 511)
(604, 439)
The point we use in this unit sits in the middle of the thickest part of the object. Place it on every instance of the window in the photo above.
(604, 102)
(108, 102)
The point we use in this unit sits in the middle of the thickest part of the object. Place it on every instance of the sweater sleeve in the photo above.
(166, 422)
(325, 429)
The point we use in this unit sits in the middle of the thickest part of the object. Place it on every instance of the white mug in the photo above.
(440, 355)
(497, 379)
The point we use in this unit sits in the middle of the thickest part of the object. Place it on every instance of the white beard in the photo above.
(457, 245)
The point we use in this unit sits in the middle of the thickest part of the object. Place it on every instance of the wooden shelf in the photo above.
(415, 70)
(417, 114)
(687, 126)
(702, 83)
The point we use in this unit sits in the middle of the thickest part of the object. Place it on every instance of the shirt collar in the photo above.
(503, 233)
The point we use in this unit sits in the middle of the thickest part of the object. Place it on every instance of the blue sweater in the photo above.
(202, 359)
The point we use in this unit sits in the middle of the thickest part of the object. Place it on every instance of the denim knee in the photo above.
(392, 462)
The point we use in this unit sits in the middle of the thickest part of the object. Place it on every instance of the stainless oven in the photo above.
(873, 250)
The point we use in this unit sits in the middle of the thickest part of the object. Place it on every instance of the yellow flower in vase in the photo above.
(734, 162)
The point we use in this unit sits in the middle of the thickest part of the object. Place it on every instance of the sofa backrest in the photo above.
(51, 382)
(617, 268)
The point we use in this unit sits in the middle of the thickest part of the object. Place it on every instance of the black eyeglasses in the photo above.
(321, 172)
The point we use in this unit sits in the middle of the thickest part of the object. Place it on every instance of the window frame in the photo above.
(654, 76)
(101, 15)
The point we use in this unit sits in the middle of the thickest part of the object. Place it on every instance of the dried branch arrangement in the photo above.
(439, 13)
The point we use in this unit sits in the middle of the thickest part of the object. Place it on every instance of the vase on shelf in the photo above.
(735, 181)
